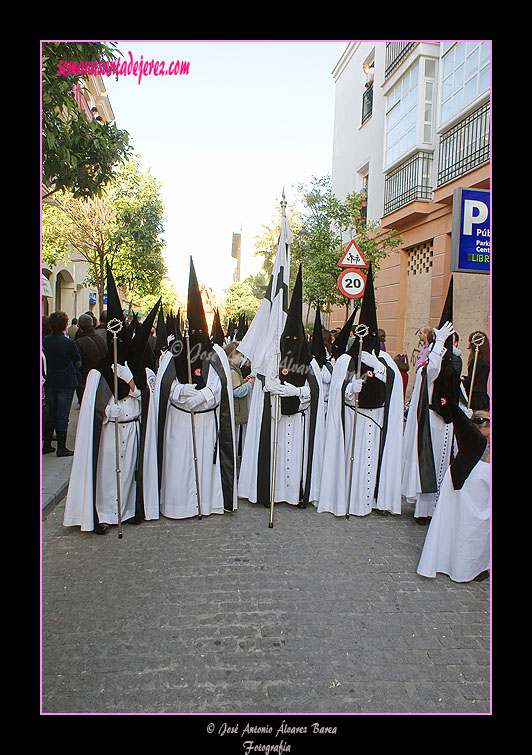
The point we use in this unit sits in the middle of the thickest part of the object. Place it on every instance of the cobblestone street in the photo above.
(225, 615)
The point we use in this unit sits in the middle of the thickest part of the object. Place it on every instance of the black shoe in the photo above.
(482, 576)
(101, 529)
(47, 448)
(62, 450)
(421, 520)
(302, 505)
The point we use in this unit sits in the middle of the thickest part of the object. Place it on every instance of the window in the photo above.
(401, 116)
(465, 75)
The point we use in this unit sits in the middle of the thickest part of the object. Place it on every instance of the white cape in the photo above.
(458, 538)
(79, 507)
(337, 455)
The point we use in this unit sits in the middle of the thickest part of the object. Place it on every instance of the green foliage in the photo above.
(318, 244)
(78, 155)
(240, 300)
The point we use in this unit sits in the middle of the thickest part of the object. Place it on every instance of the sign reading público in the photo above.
(471, 243)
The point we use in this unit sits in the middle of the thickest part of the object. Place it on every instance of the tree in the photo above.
(122, 227)
(78, 155)
(240, 301)
(318, 244)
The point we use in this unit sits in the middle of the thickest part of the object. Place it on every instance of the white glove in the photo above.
(114, 411)
(370, 359)
(187, 391)
(444, 332)
(192, 402)
(466, 411)
(354, 387)
(287, 389)
(123, 372)
(272, 385)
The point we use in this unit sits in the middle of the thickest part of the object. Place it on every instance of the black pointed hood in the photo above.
(143, 355)
(124, 352)
(317, 346)
(447, 384)
(339, 344)
(217, 334)
(471, 445)
(198, 334)
(294, 347)
(372, 395)
(161, 343)
(368, 317)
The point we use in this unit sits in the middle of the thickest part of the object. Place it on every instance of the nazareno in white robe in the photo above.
(169, 439)
(294, 431)
(458, 538)
(338, 438)
(441, 436)
(80, 502)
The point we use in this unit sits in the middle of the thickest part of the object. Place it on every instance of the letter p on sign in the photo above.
(475, 212)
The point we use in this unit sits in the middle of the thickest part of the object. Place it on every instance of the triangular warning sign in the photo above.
(352, 257)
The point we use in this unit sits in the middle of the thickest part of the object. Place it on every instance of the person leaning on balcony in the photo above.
(63, 361)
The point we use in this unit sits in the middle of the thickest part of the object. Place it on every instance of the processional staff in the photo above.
(115, 326)
(477, 339)
(277, 406)
(192, 420)
(361, 331)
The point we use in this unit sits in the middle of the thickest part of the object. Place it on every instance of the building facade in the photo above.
(412, 125)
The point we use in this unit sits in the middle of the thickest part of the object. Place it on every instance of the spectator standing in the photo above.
(91, 348)
(63, 361)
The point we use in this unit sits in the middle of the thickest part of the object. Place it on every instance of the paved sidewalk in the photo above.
(317, 615)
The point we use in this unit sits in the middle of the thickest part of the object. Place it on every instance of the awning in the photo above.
(45, 286)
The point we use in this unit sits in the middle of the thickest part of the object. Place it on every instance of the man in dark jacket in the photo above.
(63, 361)
(92, 350)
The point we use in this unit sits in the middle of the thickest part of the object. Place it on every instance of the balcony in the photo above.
(465, 146)
(410, 181)
(396, 52)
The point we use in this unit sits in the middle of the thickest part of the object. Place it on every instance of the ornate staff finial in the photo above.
(283, 205)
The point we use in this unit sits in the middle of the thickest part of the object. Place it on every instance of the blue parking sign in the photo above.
(471, 242)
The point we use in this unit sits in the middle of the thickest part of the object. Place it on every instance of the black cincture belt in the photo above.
(126, 421)
(205, 411)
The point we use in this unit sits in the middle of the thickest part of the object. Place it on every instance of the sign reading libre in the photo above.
(471, 243)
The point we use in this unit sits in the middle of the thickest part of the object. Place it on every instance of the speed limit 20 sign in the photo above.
(352, 283)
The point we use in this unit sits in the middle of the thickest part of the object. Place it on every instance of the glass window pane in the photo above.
(430, 68)
(470, 90)
(484, 80)
(427, 133)
(445, 111)
(447, 87)
(484, 53)
(459, 77)
(448, 63)
(428, 113)
(457, 101)
(429, 91)
(472, 63)
(459, 53)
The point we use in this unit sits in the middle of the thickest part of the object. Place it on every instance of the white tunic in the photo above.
(178, 490)
(458, 538)
(79, 509)
(442, 441)
(292, 447)
(337, 469)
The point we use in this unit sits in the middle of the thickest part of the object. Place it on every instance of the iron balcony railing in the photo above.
(465, 146)
(367, 103)
(396, 52)
(410, 181)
